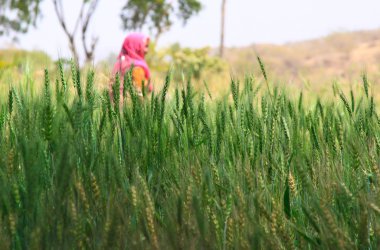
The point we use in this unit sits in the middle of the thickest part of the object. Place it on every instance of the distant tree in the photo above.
(86, 13)
(18, 15)
(222, 28)
(157, 14)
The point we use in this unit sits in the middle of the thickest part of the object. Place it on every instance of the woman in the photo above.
(132, 53)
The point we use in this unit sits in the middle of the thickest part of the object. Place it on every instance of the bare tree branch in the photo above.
(83, 19)
(89, 51)
(79, 18)
(90, 12)
(71, 36)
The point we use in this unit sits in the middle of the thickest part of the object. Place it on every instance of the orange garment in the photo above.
(138, 77)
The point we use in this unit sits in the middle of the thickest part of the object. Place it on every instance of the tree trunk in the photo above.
(221, 49)
(73, 49)
(89, 51)
(84, 18)
(70, 36)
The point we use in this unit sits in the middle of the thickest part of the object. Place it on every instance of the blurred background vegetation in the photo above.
(312, 66)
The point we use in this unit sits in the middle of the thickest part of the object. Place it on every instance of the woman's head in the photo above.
(135, 46)
(146, 42)
(133, 51)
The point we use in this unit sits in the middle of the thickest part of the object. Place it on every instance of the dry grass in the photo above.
(311, 65)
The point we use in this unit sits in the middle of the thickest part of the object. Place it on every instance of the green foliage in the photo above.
(189, 61)
(13, 58)
(48, 109)
(184, 173)
(188, 8)
(365, 84)
(157, 15)
(14, 62)
(18, 15)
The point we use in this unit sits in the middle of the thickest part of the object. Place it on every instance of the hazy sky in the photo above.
(248, 21)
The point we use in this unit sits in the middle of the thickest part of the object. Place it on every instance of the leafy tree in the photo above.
(18, 15)
(194, 62)
(157, 15)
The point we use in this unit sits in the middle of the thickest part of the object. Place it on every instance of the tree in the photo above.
(18, 15)
(157, 14)
(222, 29)
(86, 12)
(135, 14)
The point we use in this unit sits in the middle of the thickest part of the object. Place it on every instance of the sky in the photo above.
(247, 22)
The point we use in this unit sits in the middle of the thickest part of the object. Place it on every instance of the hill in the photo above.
(340, 56)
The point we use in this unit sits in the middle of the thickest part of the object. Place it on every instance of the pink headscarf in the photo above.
(132, 52)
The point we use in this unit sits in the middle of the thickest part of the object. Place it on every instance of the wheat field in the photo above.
(255, 169)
